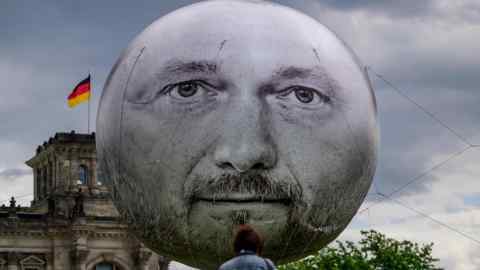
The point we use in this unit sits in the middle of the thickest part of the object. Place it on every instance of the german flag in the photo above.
(80, 93)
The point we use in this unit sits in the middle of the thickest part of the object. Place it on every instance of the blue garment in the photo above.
(247, 260)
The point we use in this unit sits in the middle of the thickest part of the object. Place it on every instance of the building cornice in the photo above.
(64, 143)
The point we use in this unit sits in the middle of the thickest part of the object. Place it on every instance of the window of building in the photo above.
(83, 175)
(106, 266)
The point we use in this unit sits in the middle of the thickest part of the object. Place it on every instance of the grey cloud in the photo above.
(435, 50)
(431, 59)
(391, 8)
(411, 142)
(438, 76)
(47, 47)
(14, 173)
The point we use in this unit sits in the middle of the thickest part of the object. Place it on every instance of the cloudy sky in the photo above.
(428, 50)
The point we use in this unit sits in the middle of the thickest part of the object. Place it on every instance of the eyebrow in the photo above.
(318, 73)
(177, 67)
(292, 72)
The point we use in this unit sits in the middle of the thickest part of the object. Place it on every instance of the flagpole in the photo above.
(89, 96)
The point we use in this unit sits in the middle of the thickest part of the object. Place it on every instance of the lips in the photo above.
(242, 198)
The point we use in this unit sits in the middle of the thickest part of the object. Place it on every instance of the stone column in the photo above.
(60, 259)
(12, 259)
(52, 174)
(35, 184)
(66, 173)
(69, 175)
(80, 253)
(40, 182)
(48, 179)
(44, 180)
(93, 169)
(49, 261)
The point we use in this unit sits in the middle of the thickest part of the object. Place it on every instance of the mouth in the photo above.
(240, 198)
(241, 208)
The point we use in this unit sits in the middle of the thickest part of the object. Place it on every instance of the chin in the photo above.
(212, 225)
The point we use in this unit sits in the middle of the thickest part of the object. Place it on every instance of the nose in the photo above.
(245, 142)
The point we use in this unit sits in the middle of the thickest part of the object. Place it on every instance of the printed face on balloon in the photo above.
(256, 121)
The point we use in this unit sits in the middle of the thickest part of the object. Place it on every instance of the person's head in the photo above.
(247, 238)
(230, 112)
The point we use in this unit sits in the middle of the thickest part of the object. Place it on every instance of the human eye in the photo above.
(304, 96)
(188, 91)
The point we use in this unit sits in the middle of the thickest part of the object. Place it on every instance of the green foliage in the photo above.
(373, 252)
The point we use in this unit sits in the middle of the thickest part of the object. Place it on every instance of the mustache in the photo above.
(249, 186)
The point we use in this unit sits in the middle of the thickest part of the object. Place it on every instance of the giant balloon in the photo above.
(230, 112)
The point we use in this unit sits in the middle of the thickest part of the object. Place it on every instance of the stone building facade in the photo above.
(71, 223)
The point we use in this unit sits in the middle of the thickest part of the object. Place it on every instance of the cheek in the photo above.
(173, 142)
(316, 152)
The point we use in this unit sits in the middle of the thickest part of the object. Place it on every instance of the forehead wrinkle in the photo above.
(333, 83)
